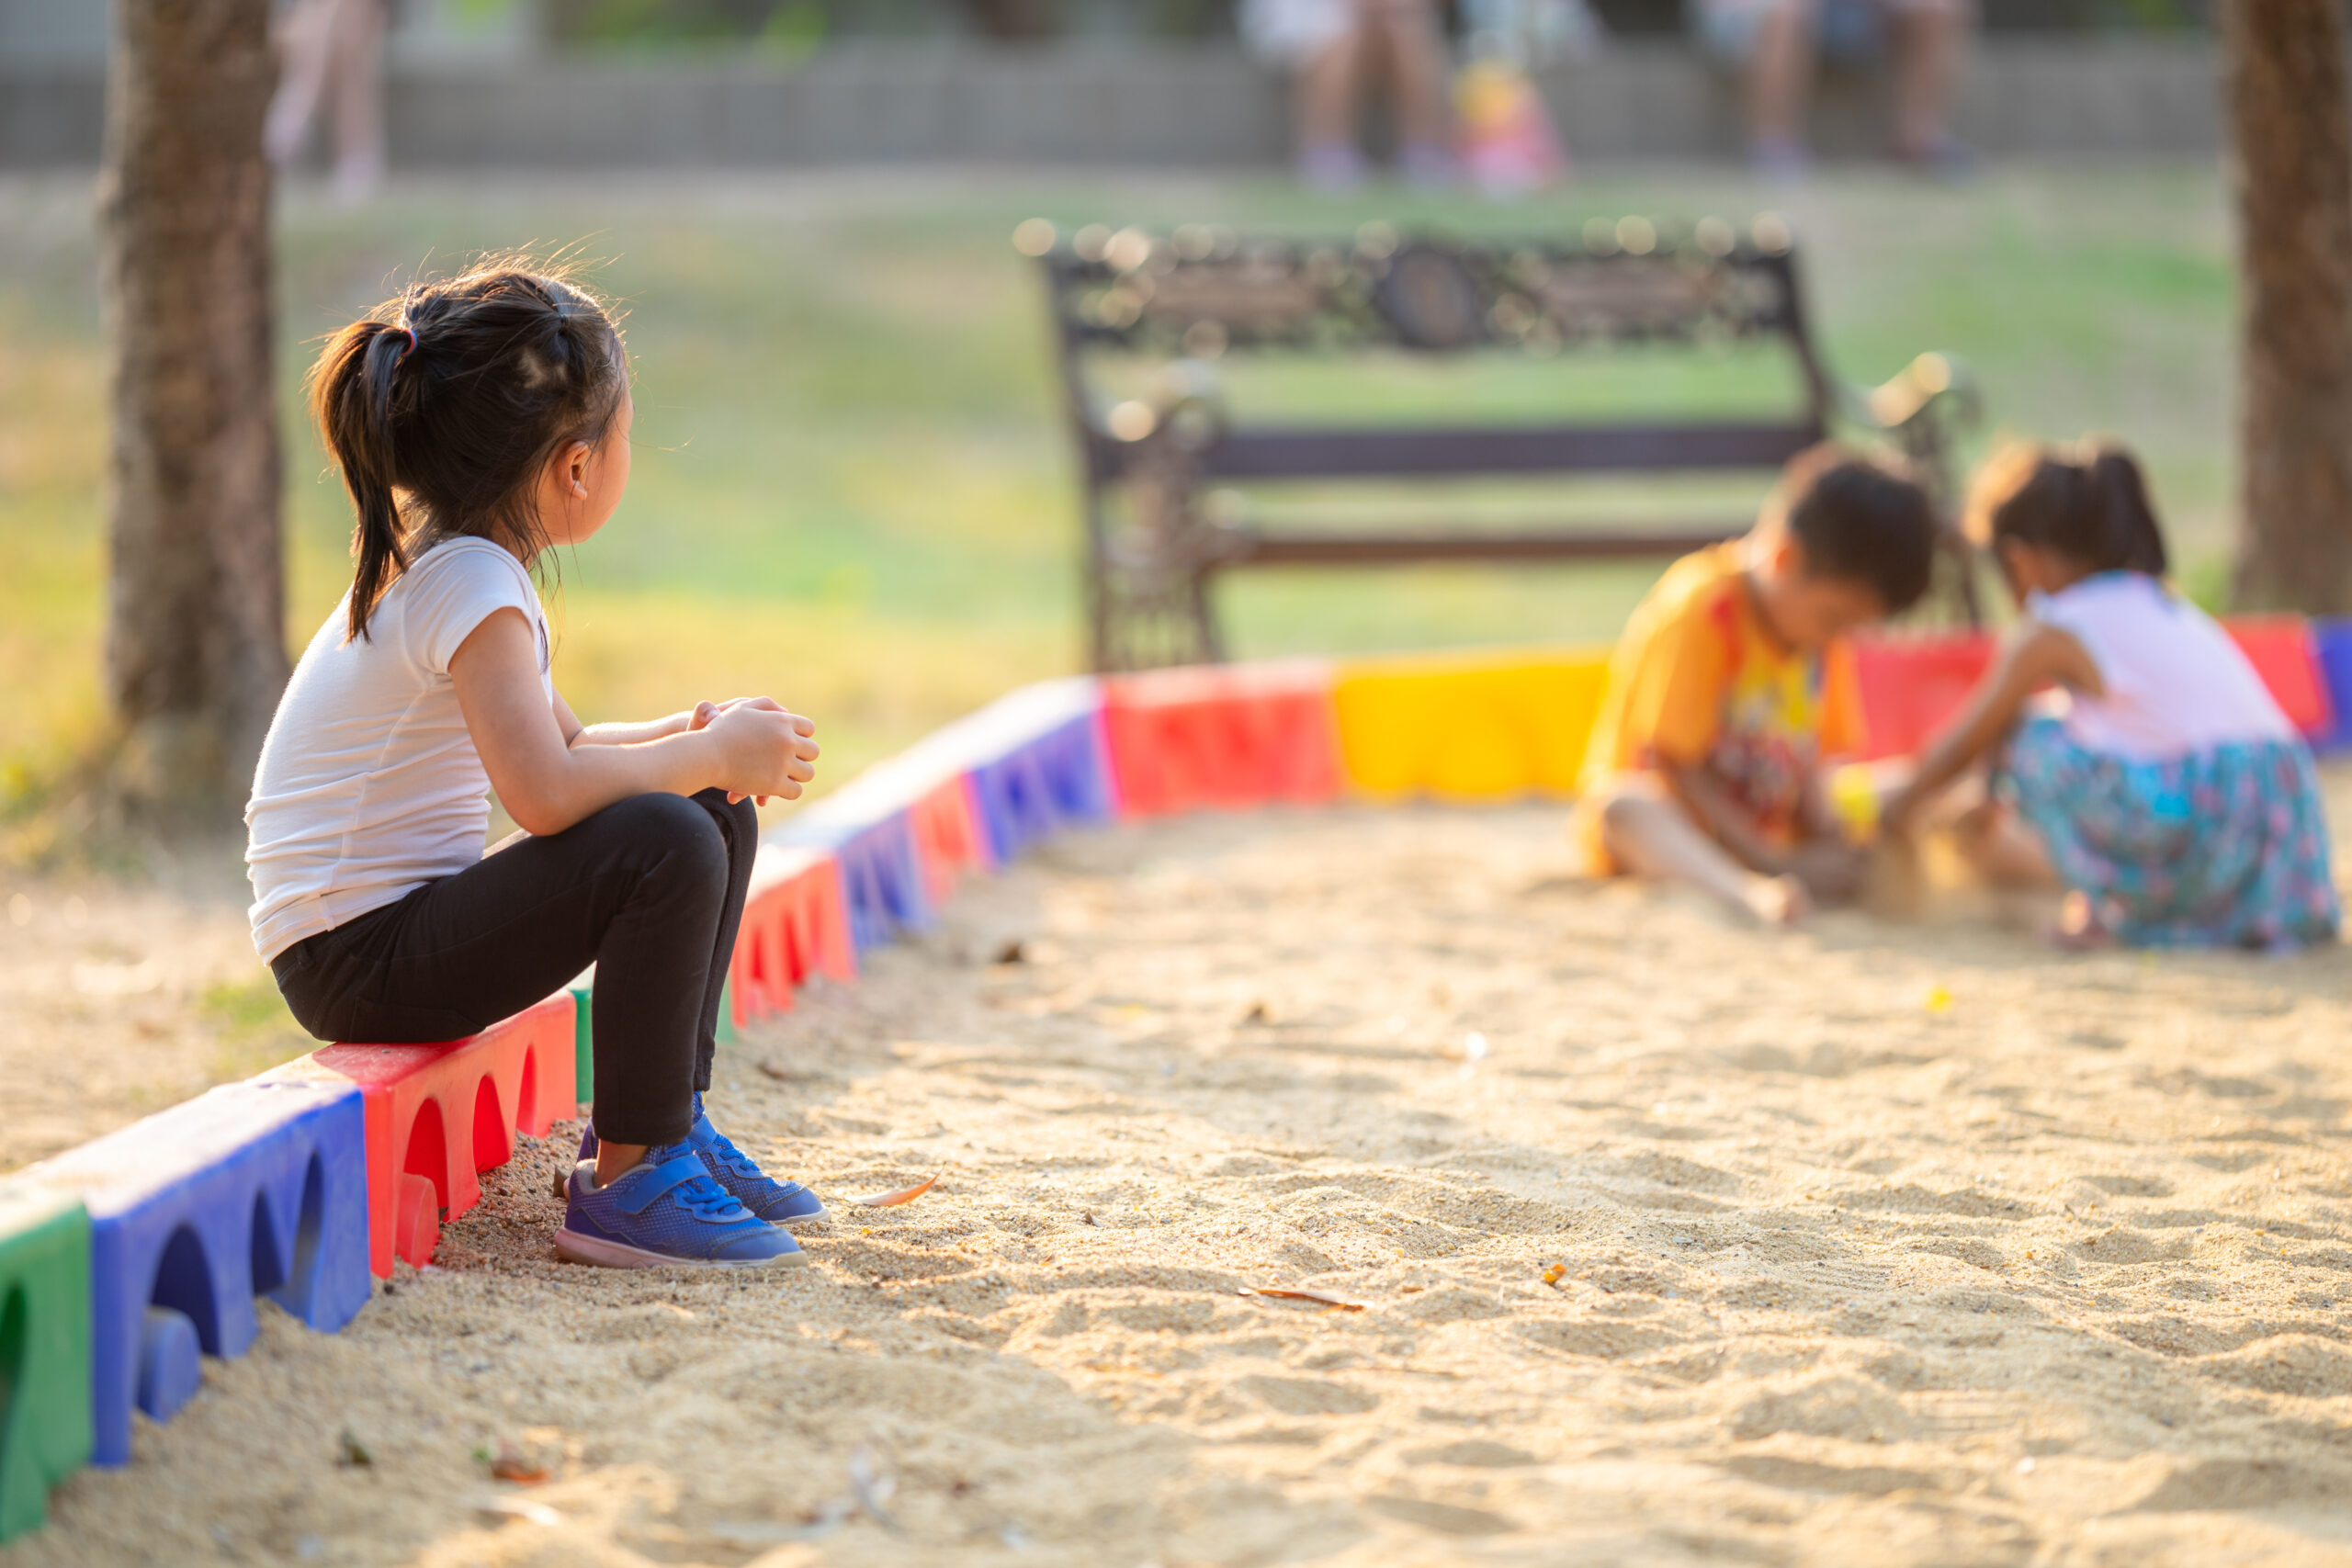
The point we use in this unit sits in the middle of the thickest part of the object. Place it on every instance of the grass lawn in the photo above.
(852, 488)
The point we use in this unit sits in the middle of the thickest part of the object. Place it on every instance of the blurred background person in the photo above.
(333, 53)
(1332, 48)
(1510, 144)
(1775, 44)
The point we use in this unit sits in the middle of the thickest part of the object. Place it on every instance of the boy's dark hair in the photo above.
(2089, 502)
(1861, 519)
(442, 420)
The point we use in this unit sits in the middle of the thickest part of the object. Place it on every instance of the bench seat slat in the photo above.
(1400, 548)
(1266, 453)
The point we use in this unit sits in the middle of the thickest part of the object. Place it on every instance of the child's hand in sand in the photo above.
(762, 738)
(1831, 870)
(1777, 900)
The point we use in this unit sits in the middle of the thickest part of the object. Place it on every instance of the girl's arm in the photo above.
(628, 734)
(547, 784)
(2036, 657)
(578, 733)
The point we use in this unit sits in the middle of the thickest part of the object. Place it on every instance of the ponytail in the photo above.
(2128, 534)
(442, 423)
(351, 398)
(2089, 502)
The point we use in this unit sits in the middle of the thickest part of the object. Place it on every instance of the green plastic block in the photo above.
(726, 1032)
(44, 1349)
(583, 1040)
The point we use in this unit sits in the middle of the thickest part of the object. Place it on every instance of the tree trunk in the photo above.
(2291, 134)
(195, 648)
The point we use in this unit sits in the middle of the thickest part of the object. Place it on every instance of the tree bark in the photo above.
(2291, 167)
(196, 647)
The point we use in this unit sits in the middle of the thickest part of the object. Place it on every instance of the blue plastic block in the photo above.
(865, 827)
(254, 1189)
(171, 1362)
(882, 883)
(1043, 784)
(2333, 642)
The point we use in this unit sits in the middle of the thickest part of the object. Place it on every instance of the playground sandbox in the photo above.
(1659, 1241)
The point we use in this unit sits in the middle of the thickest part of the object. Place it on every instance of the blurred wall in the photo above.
(461, 102)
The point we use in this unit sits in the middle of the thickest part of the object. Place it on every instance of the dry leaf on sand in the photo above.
(1290, 1295)
(892, 1200)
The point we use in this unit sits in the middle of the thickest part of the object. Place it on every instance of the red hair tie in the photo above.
(411, 342)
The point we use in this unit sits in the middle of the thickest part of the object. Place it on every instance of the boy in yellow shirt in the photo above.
(1731, 685)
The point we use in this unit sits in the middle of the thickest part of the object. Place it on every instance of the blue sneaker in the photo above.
(666, 1210)
(778, 1203)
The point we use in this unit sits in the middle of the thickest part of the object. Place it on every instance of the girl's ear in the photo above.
(573, 462)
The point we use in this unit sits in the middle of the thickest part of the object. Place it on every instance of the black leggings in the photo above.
(652, 888)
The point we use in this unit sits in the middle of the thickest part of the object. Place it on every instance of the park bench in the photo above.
(1190, 300)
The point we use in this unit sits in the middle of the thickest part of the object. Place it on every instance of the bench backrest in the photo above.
(1205, 292)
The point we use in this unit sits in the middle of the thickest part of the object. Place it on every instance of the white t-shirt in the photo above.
(368, 784)
(2176, 683)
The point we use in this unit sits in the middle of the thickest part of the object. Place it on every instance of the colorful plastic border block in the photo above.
(882, 880)
(439, 1115)
(2332, 645)
(795, 925)
(945, 821)
(2284, 653)
(1039, 764)
(1226, 737)
(253, 1190)
(1475, 725)
(44, 1349)
(583, 1037)
(1911, 687)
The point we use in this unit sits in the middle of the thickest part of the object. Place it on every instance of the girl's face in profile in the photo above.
(582, 485)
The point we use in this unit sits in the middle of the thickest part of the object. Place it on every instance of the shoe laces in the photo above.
(735, 1159)
(698, 1195)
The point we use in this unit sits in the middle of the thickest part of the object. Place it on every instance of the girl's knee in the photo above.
(739, 818)
(677, 828)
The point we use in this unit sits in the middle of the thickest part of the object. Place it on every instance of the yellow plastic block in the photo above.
(1469, 727)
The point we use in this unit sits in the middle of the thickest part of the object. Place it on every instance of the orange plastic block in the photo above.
(1911, 687)
(946, 822)
(796, 924)
(439, 1115)
(2285, 654)
(1226, 736)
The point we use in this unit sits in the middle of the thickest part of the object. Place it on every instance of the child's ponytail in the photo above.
(351, 398)
(2129, 537)
(442, 423)
(2089, 502)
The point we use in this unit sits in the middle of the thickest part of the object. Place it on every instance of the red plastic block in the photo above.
(945, 821)
(1224, 736)
(439, 1115)
(2285, 654)
(1912, 686)
(796, 924)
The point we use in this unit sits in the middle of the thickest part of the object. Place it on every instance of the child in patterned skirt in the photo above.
(2137, 759)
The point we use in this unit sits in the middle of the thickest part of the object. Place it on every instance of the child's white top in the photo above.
(368, 784)
(2176, 683)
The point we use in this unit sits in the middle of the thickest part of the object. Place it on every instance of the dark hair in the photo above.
(2089, 502)
(442, 420)
(1861, 519)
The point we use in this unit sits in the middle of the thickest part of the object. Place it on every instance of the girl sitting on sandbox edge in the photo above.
(479, 424)
(2136, 759)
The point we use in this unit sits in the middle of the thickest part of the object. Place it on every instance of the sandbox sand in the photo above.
(1870, 1244)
